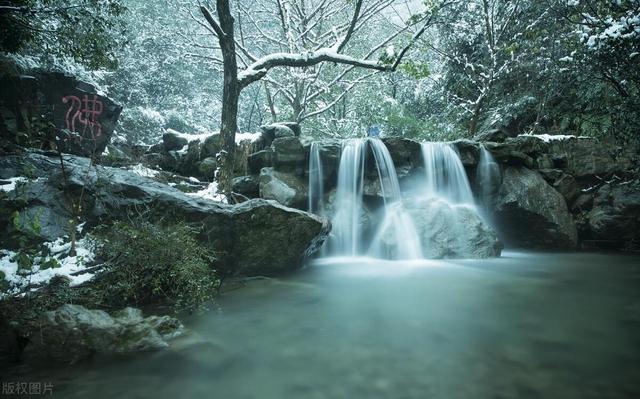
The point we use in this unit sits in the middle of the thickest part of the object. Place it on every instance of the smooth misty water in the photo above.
(524, 326)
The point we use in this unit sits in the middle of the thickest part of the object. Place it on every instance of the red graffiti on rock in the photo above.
(84, 112)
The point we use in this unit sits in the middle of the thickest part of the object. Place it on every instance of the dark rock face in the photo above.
(615, 215)
(84, 119)
(278, 130)
(452, 231)
(288, 152)
(172, 141)
(249, 186)
(73, 333)
(113, 194)
(531, 214)
(404, 151)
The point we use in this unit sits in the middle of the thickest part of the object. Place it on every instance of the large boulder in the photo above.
(452, 231)
(530, 213)
(173, 141)
(248, 186)
(286, 188)
(288, 153)
(84, 120)
(615, 214)
(403, 151)
(73, 333)
(111, 194)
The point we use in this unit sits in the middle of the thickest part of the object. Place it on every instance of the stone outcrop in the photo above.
(114, 194)
(614, 217)
(73, 333)
(531, 214)
(286, 188)
(33, 101)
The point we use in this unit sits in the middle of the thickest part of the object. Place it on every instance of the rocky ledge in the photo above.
(257, 237)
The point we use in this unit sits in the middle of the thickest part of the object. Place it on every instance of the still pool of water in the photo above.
(523, 326)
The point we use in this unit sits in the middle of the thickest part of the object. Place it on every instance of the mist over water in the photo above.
(521, 326)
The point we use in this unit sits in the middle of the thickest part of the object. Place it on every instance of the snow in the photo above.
(240, 137)
(210, 192)
(143, 171)
(13, 181)
(248, 137)
(551, 137)
(70, 266)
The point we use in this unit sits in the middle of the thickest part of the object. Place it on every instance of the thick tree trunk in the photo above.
(230, 98)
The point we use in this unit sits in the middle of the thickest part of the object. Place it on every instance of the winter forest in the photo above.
(320, 198)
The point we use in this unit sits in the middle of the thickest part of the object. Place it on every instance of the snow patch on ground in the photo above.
(69, 266)
(143, 171)
(240, 137)
(210, 192)
(551, 137)
(12, 182)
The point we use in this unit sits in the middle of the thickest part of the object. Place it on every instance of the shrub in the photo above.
(150, 263)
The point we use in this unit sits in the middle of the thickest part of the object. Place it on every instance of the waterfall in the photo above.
(348, 207)
(438, 219)
(316, 180)
(487, 179)
(395, 237)
(445, 176)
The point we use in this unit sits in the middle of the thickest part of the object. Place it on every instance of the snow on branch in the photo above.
(259, 69)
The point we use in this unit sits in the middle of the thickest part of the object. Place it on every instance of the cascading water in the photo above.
(348, 208)
(316, 180)
(445, 174)
(487, 178)
(395, 237)
(438, 219)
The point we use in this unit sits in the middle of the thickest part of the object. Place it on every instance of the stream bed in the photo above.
(527, 325)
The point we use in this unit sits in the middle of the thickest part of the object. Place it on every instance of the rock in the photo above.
(286, 188)
(211, 146)
(288, 152)
(112, 194)
(278, 130)
(330, 151)
(187, 163)
(469, 152)
(83, 119)
(259, 160)
(531, 214)
(294, 126)
(273, 239)
(452, 231)
(207, 168)
(73, 333)
(403, 151)
(509, 154)
(615, 215)
(584, 157)
(493, 135)
(249, 186)
(584, 202)
(568, 187)
(173, 141)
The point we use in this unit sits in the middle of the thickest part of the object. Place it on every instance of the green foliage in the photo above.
(149, 263)
(415, 70)
(24, 232)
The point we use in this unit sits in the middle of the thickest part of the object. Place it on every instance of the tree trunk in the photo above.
(230, 98)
